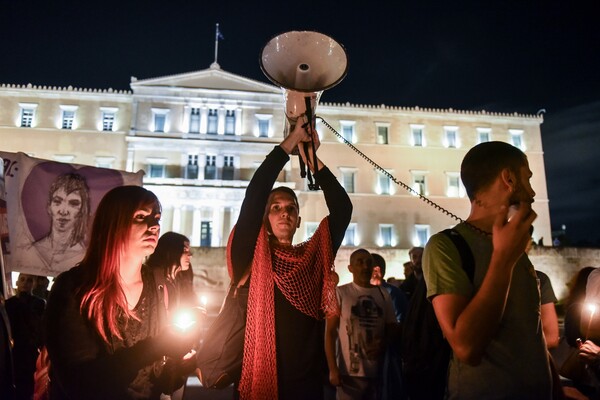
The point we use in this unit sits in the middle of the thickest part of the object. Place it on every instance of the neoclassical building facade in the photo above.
(199, 137)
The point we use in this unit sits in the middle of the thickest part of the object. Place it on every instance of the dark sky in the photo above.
(509, 56)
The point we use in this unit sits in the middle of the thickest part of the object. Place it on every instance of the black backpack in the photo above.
(425, 352)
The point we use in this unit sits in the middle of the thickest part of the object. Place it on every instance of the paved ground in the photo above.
(194, 391)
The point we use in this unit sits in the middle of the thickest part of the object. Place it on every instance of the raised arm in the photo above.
(252, 210)
(339, 205)
(338, 202)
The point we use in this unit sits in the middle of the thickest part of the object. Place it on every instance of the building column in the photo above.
(221, 121)
(203, 120)
(195, 236)
(176, 224)
(185, 119)
(238, 122)
(130, 160)
(217, 231)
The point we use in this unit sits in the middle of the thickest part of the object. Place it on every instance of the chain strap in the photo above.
(402, 184)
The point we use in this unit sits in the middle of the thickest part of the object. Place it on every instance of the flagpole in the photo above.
(216, 42)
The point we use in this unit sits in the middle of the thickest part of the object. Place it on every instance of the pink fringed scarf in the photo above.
(304, 274)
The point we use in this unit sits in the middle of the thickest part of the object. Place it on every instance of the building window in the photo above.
(419, 184)
(417, 138)
(159, 119)
(348, 130)
(108, 121)
(350, 235)
(348, 179)
(384, 185)
(483, 135)
(213, 122)
(228, 168)
(454, 189)
(26, 115)
(105, 162)
(451, 137)
(210, 168)
(382, 133)
(263, 125)
(194, 120)
(157, 170)
(230, 122)
(385, 235)
(516, 137)
(205, 233)
(191, 169)
(421, 235)
(311, 227)
(68, 117)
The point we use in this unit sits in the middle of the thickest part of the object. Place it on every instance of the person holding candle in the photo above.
(107, 333)
(172, 260)
(579, 324)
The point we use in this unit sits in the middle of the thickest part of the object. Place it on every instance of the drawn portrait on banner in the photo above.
(50, 208)
(68, 207)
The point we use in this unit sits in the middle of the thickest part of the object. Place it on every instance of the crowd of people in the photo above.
(107, 323)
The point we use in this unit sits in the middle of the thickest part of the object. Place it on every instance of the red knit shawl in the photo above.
(305, 275)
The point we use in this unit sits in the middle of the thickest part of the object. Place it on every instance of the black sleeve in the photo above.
(339, 205)
(78, 357)
(252, 210)
(571, 324)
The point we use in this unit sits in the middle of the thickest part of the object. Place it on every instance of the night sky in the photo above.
(521, 56)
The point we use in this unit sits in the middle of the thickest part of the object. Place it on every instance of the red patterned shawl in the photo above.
(305, 275)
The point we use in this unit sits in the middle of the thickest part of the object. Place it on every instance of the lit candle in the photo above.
(592, 308)
(183, 319)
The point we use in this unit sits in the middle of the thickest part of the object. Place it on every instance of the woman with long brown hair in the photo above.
(106, 319)
(171, 260)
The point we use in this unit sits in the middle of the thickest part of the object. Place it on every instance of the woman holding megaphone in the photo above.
(291, 287)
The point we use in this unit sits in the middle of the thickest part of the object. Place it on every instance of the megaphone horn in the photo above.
(303, 64)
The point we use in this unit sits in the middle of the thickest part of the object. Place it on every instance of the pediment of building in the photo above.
(211, 78)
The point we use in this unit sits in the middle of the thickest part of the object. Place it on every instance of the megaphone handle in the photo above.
(302, 166)
(311, 185)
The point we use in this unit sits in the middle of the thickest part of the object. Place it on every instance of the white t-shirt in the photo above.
(364, 315)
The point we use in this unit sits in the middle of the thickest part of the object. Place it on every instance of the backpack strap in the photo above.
(466, 255)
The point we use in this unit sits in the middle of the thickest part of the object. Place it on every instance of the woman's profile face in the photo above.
(186, 256)
(64, 209)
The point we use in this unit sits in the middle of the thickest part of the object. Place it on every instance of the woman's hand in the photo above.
(297, 135)
(589, 352)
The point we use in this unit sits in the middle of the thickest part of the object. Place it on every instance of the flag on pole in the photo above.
(219, 35)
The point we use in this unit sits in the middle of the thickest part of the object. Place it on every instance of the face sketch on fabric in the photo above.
(68, 209)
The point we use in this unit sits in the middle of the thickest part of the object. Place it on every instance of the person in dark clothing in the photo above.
(410, 283)
(172, 259)
(106, 330)
(25, 312)
(291, 287)
(7, 379)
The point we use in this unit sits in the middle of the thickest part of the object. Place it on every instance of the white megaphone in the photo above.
(303, 64)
